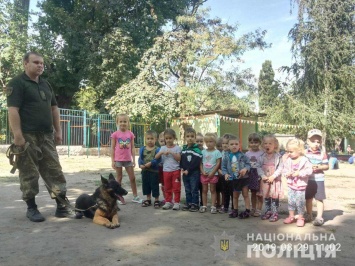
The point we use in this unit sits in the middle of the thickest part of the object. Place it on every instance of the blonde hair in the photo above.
(298, 143)
(274, 139)
(123, 115)
(210, 136)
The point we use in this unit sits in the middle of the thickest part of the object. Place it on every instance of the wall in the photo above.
(202, 124)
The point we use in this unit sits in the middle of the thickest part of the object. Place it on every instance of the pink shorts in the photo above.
(206, 180)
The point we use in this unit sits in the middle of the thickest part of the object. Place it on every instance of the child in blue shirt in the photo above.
(235, 167)
(191, 157)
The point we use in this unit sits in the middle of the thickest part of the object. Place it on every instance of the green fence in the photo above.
(79, 127)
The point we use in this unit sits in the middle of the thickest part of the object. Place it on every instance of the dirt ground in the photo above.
(157, 237)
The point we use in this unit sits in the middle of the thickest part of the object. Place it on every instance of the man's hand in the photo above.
(19, 141)
(58, 137)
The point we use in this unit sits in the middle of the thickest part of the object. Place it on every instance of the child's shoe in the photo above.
(289, 220)
(167, 206)
(307, 218)
(222, 210)
(300, 222)
(252, 211)
(176, 206)
(274, 217)
(213, 210)
(193, 208)
(318, 221)
(137, 199)
(186, 207)
(233, 214)
(162, 203)
(266, 216)
(257, 213)
(203, 209)
(245, 214)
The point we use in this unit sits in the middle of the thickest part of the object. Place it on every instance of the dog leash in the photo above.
(14, 152)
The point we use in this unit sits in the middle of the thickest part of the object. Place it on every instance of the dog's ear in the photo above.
(104, 180)
(111, 177)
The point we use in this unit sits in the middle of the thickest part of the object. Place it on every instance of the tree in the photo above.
(191, 68)
(99, 43)
(323, 94)
(268, 89)
(13, 39)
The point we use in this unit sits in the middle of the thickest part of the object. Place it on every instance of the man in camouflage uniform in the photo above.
(33, 114)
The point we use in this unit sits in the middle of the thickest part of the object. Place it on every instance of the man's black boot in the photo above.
(62, 210)
(32, 212)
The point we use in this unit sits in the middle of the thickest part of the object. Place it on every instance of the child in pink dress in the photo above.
(269, 170)
(297, 169)
(123, 154)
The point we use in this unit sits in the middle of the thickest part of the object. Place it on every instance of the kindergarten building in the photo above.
(221, 122)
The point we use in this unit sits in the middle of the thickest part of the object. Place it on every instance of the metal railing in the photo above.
(81, 128)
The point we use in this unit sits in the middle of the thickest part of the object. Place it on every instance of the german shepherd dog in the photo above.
(102, 205)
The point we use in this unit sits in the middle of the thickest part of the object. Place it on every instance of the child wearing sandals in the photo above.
(171, 155)
(123, 154)
(211, 160)
(150, 169)
(254, 154)
(235, 168)
(315, 188)
(269, 169)
(191, 157)
(297, 169)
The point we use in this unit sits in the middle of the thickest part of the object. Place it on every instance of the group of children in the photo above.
(224, 170)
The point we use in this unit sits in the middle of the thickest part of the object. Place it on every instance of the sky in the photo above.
(271, 15)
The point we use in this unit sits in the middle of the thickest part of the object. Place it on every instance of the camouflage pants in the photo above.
(40, 158)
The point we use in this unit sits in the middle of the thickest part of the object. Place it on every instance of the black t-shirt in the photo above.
(34, 100)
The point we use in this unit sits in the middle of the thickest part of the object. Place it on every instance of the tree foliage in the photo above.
(13, 40)
(323, 94)
(194, 67)
(268, 88)
(99, 43)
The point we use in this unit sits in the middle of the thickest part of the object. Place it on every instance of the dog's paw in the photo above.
(117, 225)
(110, 226)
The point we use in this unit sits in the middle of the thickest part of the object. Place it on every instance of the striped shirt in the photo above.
(316, 158)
